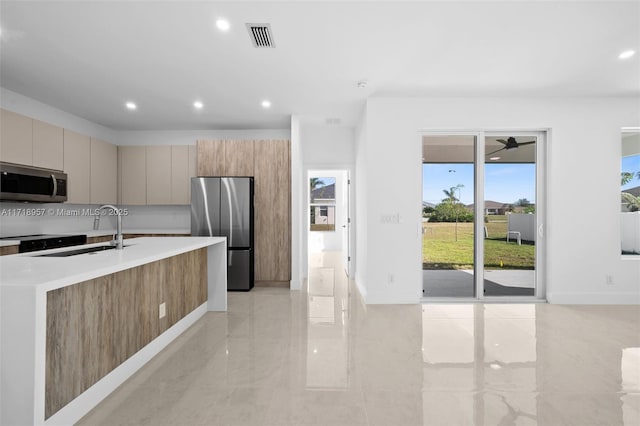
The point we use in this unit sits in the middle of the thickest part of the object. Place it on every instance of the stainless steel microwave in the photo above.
(25, 183)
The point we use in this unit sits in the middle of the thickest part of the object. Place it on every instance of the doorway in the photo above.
(483, 213)
(328, 216)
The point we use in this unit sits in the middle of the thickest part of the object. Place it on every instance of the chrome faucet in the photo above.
(117, 240)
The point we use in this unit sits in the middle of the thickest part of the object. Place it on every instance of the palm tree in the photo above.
(626, 177)
(633, 202)
(315, 183)
(451, 193)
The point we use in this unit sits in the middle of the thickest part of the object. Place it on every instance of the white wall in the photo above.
(297, 214)
(359, 217)
(324, 144)
(583, 152)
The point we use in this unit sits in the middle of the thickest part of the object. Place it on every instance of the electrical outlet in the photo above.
(162, 310)
(609, 279)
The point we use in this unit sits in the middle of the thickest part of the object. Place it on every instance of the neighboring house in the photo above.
(324, 195)
(323, 200)
(493, 207)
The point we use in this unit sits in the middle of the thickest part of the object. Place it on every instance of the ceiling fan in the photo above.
(510, 143)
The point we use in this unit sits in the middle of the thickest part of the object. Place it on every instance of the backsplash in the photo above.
(34, 218)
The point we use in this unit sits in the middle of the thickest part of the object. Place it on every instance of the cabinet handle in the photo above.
(55, 186)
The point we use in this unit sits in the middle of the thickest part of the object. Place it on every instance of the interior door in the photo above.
(346, 226)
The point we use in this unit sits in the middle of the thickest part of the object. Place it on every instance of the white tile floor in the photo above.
(322, 357)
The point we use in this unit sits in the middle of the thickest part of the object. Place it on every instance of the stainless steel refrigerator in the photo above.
(223, 207)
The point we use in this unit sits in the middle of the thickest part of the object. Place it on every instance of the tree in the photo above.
(633, 202)
(523, 202)
(315, 183)
(626, 177)
(451, 193)
(426, 210)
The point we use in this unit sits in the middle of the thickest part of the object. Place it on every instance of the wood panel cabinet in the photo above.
(272, 210)
(238, 155)
(210, 158)
(270, 164)
(104, 168)
(100, 239)
(132, 174)
(93, 326)
(159, 181)
(48, 142)
(16, 138)
(7, 250)
(77, 166)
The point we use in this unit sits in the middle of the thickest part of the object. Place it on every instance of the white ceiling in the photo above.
(88, 58)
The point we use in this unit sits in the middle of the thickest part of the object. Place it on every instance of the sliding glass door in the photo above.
(482, 215)
(448, 176)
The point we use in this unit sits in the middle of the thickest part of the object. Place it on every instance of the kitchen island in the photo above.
(74, 328)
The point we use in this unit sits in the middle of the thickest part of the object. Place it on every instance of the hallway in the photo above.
(319, 356)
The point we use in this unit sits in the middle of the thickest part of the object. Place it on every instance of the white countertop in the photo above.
(103, 232)
(5, 243)
(48, 273)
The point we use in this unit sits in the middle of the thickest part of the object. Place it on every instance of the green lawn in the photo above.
(440, 249)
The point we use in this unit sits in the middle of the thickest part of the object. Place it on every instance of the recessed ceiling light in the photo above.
(198, 105)
(223, 24)
(266, 104)
(627, 54)
(494, 158)
(131, 105)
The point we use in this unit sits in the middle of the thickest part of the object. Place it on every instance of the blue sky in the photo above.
(505, 183)
(631, 164)
(326, 181)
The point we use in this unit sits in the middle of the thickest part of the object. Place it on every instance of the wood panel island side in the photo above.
(74, 328)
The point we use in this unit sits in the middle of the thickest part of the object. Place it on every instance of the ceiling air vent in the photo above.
(261, 35)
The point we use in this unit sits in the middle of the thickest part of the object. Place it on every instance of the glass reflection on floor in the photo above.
(327, 325)
(470, 349)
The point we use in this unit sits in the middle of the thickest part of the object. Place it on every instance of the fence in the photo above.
(525, 224)
(630, 232)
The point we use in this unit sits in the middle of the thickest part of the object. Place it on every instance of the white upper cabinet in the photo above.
(16, 138)
(159, 182)
(77, 166)
(48, 151)
(104, 172)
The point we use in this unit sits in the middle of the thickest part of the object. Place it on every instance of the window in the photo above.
(322, 206)
(630, 193)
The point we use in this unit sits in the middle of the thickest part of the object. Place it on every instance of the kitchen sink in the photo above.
(86, 250)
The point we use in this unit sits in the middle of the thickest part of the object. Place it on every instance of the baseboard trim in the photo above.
(628, 298)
